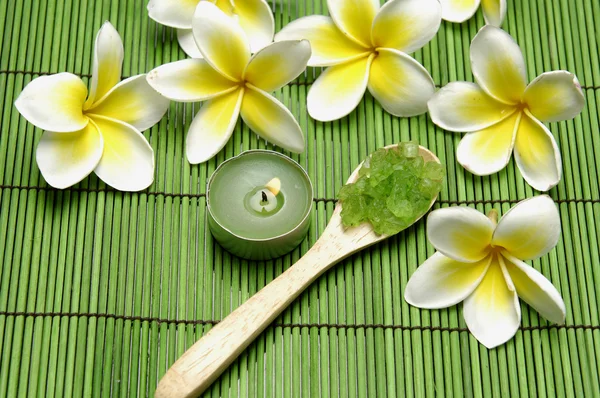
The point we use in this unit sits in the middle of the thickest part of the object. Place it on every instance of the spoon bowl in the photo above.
(202, 363)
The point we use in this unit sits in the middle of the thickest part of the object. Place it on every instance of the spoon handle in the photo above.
(202, 363)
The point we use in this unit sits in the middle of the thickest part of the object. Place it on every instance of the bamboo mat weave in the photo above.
(101, 291)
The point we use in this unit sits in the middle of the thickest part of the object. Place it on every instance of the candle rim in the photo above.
(249, 152)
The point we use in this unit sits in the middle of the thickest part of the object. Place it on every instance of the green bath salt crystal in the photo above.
(395, 186)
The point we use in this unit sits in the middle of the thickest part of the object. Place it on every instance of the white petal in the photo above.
(108, 61)
(54, 102)
(221, 40)
(464, 107)
(461, 233)
(488, 151)
(133, 101)
(401, 84)
(256, 19)
(174, 13)
(535, 289)
(127, 162)
(458, 10)
(339, 90)
(530, 229)
(494, 11)
(67, 158)
(354, 18)
(442, 282)
(328, 44)
(492, 312)
(554, 96)
(212, 127)
(537, 154)
(498, 64)
(406, 25)
(271, 120)
(189, 80)
(278, 64)
(185, 37)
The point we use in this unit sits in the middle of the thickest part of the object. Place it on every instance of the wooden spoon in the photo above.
(202, 363)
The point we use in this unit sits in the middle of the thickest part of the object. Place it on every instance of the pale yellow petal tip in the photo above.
(577, 84)
(493, 215)
(108, 25)
(458, 12)
(274, 186)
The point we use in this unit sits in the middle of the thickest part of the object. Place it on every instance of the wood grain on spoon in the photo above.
(200, 365)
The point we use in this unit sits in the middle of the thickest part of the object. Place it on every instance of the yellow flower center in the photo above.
(226, 7)
(522, 107)
(374, 51)
(495, 250)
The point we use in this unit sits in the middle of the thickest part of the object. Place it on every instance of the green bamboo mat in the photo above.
(101, 291)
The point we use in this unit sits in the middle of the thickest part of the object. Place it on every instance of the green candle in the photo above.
(259, 204)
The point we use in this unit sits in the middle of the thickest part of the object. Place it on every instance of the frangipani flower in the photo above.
(480, 262)
(254, 16)
(494, 11)
(502, 112)
(366, 47)
(233, 83)
(100, 133)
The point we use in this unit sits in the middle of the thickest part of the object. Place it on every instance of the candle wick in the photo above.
(264, 196)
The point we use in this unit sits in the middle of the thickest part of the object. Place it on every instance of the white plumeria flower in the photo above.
(367, 47)
(494, 11)
(501, 112)
(254, 16)
(100, 134)
(481, 263)
(233, 83)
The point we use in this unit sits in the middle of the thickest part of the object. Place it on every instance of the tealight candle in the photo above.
(259, 204)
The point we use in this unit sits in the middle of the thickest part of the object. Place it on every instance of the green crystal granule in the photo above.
(395, 186)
